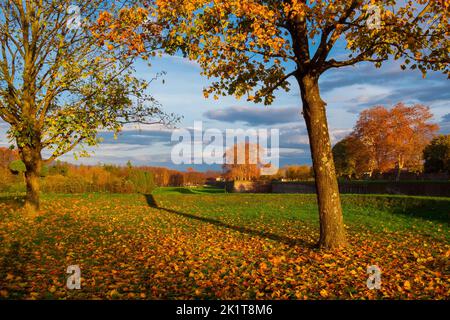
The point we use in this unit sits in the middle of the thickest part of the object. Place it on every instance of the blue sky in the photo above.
(347, 91)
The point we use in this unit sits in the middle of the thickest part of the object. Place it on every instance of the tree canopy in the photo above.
(437, 155)
(243, 161)
(59, 85)
(352, 158)
(396, 137)
(251, 47)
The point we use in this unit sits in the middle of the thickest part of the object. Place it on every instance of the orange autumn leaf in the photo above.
(407, 285)
(324, 293)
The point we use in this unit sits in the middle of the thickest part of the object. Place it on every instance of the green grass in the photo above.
(188, 190)
(428, 216)
(424, 215)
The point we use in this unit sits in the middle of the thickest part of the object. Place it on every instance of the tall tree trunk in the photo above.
(332, 232)
(31, 156)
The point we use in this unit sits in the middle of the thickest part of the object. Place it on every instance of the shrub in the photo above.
(7, 179)
(59, 168)
(142, 181)
(95, 179)
(17, 167)
(44, 171)
(437, 155)
(65, 178)
(61, 184)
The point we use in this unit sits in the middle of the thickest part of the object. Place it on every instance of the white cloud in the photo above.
(356, 94)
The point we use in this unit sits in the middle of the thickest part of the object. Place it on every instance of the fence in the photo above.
(248, 187)
(416, 188)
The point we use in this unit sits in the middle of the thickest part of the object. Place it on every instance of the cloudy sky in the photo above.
(347, 91)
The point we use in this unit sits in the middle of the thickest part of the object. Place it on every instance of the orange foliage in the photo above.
(6, 178)
(121, 30)
(396, 137)
(67, 178)
(6, 156)
(242, 162)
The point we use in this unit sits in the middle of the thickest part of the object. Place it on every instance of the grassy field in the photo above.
(202, 243)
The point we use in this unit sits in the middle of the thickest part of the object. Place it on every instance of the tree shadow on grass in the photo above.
(202, 190)
(151, 201)
(431, 209)
(210, 190)
(182, 190)
(14, 262)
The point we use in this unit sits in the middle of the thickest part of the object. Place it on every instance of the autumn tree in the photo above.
(437, 155)
(352, 158)
(59, 85)
(396, 137)
(344, 164)
(176, 180)
(251, 48)
(6, 156)
(243, 162)
(296, 172)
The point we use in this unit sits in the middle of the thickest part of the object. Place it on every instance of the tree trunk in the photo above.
(332, 232)
(33, 163)
(399, 169)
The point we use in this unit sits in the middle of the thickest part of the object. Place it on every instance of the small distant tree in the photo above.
(297, 172)
(345, 166)
(161, 176)
(352, 158)
(243, 162)
(396, 137)
(7, 155)
(194, 178)
(59, 167)
(142, 181)
(129, 164)
(437, 155)
(176, 180)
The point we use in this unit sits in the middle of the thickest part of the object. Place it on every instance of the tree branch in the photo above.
(280, 82)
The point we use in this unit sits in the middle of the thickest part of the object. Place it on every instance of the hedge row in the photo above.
(135, 181)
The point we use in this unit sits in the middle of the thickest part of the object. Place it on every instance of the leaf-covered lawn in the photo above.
(209, 246)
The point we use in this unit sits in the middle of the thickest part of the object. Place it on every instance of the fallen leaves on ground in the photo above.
(129, 250)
